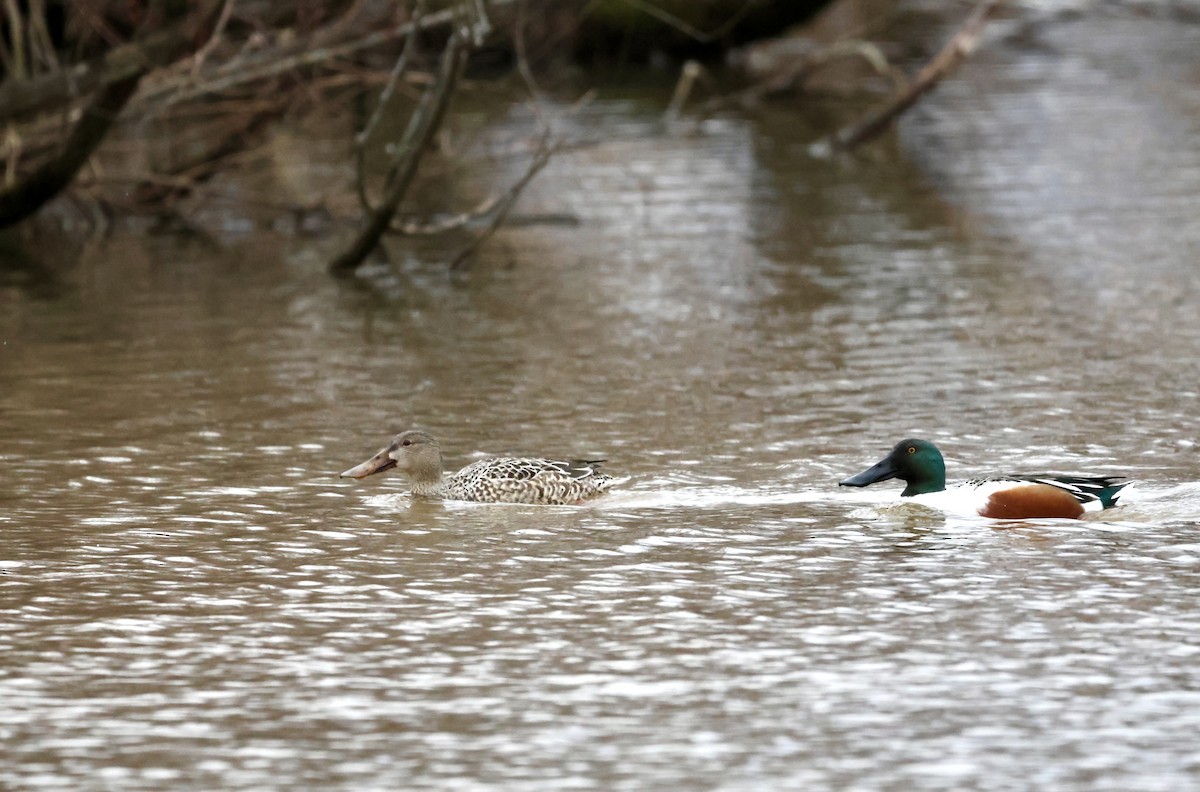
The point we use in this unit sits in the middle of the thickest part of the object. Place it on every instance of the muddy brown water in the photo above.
(190, 598)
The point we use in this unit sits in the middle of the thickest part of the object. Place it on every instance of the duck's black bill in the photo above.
(881, 471)
(376, 464)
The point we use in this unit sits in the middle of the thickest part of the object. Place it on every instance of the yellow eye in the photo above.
(912, 449)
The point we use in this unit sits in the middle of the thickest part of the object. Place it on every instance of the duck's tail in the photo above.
(1086, 489)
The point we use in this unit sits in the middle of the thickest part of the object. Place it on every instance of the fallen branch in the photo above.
(33, 191)
(385, 96)
(20, 99)
(487, 205)
(683, 89)
(653, 10)
(449, 223)
(307, 53)
(946, 61)
(228, 141)
(26, 195)
(793, 77)
(546, 149)
(425, 121)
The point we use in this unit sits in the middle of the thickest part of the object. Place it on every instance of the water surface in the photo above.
(190, 598)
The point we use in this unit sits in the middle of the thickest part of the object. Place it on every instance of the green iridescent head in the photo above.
(918, 463)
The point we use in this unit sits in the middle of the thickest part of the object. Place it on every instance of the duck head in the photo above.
(413, 453)
(918, 463)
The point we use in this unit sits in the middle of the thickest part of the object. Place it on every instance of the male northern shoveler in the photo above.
(919, 464)
(499, 480)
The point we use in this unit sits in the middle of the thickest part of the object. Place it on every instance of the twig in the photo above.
(20, 99)
(523, 64)
(272, 64)
(389, 88)
(19, 63)
(683, 89)
(790, 78)
(546, 150)
(385, 96)
(962, 44)
(228, 142)
(684, 27)
(39, 37)
(485, 207)
(451, 222)
(213, 40)
(33, 191)
(13, 145)
(426, 119)
(481, 27)
(505, 200)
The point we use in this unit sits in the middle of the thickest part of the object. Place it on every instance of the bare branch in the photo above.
(20, 99)
(546, 149)
(222, 21)
(793, 77)
(32, 192)
(946, 61)
(385, 96)
(40, 41)
(228, 140)
(27, 195)
(684, 27)
(426, 120)
(19, 63)
(683, 89)
(451, 222)
(306, 54)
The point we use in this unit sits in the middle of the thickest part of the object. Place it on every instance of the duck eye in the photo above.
(406, 443)
(912, 449)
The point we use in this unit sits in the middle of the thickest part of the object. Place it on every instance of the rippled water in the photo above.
(190, 598)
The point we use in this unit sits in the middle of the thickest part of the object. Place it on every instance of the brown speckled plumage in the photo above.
(417, 456)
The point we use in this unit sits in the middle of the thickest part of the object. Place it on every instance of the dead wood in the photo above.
(951, 56)
(22, 99)
(795, 75)
(546, 149)
(116, 84)
(424, 123)
(34, 190)
(362, 138)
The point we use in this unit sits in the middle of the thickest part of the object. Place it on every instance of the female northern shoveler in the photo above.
(500, 480)
(919, 463)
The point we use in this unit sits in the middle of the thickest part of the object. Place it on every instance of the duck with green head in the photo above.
(919, 464)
